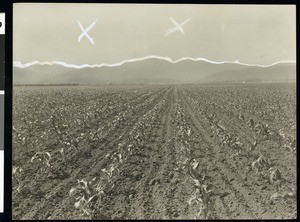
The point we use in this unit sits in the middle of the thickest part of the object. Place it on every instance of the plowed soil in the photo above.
(166, 146)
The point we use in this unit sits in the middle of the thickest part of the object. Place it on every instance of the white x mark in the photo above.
(177, 27)
(85, 32)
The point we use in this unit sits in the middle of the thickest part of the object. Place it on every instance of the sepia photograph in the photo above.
(153, 111)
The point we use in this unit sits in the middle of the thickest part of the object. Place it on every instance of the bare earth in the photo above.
(155, 152)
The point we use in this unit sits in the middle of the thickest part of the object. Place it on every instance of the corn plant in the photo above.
(87, 194)
(261, 166)
(43, 159)
(203, 197)
(17, 173)
(290, 193)
(276, 177)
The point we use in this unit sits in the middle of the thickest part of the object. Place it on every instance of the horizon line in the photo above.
(168, 59)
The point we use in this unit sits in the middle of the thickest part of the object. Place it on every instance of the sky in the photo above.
(253, 34)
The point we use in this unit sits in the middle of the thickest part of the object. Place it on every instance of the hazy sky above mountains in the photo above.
(248, 33)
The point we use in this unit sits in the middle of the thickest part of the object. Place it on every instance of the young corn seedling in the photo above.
(276, 178)
(203, 197)
(196, 198)
(62, 131)
(261, 166)
(290, 193)
(193, 172)
(237, 146)
(109, 170)
(63, 156)
(44, 158)
(251, 123)
(253, 145)
(17, 173)
(87, 194)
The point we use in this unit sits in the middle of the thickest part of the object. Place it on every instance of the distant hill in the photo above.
(153, 71)
(276, 73)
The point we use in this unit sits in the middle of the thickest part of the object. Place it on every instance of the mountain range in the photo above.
(154, 70)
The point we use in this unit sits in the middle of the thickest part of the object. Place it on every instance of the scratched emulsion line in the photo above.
(168, 59)
(177, 26)
(85, 31)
